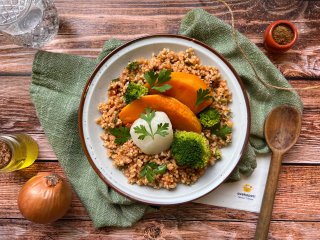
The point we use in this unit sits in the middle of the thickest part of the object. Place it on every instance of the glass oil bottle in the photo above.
(17, 152)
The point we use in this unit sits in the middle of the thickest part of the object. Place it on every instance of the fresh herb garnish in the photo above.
(142, 131)
(162, 129)
(151, 169)
(155, 80)
(221, 132)
(133, 66)
(122, 134)
(115, 80)
(202, 95)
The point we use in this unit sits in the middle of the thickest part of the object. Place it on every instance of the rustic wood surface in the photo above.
(84, 26)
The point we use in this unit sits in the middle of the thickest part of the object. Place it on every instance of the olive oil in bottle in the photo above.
(17, 152)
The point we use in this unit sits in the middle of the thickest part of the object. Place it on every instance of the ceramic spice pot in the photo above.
(280, 36)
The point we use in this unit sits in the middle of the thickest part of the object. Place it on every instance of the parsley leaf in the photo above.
(221, 132)
(151, 169)
(164, 76)
(156, 80)
(148, 116)
(150, 176)
(133, 66)
(162, 128)
(202, 96)
(161, 169)
(162, 88)
(142, 131)
(152, 165)
(122, 134)
(143, 171)
(151, 77)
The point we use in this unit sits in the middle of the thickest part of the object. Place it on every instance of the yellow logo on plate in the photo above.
(247, 187)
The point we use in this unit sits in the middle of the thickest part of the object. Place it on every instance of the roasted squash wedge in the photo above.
(180, 115)
(184, 88)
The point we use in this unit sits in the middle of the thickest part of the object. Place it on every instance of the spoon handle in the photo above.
(268, 197)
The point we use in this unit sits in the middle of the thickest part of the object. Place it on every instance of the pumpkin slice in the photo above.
(180, 115)
(184, 88)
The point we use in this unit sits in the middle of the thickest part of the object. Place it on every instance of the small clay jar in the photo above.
(270, 43)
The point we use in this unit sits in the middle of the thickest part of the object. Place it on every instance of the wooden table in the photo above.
(84, 26)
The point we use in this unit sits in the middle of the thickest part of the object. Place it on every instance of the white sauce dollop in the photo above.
(159, 143)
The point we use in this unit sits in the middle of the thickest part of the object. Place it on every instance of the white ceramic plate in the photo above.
(95, 92)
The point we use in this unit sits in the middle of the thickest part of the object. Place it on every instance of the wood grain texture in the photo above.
(84, 27)
(151, 229)
(281, 129)
(87, 25)
(297, 198)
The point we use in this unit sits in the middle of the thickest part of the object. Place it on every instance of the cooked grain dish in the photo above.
(128, 157)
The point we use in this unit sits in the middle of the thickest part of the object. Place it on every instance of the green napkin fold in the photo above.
(57, 83)
(205, 27)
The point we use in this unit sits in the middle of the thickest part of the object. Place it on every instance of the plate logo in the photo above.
(247, 188)
(246, 192)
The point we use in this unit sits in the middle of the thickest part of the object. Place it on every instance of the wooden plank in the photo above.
(151, 229)
(14, 118)
(85, 27)
(297, 198)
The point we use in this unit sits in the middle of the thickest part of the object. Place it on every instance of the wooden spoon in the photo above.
(282, 128)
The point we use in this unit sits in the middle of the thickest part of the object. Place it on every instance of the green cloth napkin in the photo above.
(57, 84)
(205, 27)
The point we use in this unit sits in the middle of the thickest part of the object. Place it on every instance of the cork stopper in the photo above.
(5, 154)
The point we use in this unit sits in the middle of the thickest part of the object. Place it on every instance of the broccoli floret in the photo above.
(190, 149)
(134, 91)
(209, 117)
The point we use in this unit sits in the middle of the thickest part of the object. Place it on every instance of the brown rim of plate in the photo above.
(84, 94)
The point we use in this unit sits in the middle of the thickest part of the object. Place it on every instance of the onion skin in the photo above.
(45, 198)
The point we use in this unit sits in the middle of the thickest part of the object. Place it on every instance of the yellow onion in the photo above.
(45, 198)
